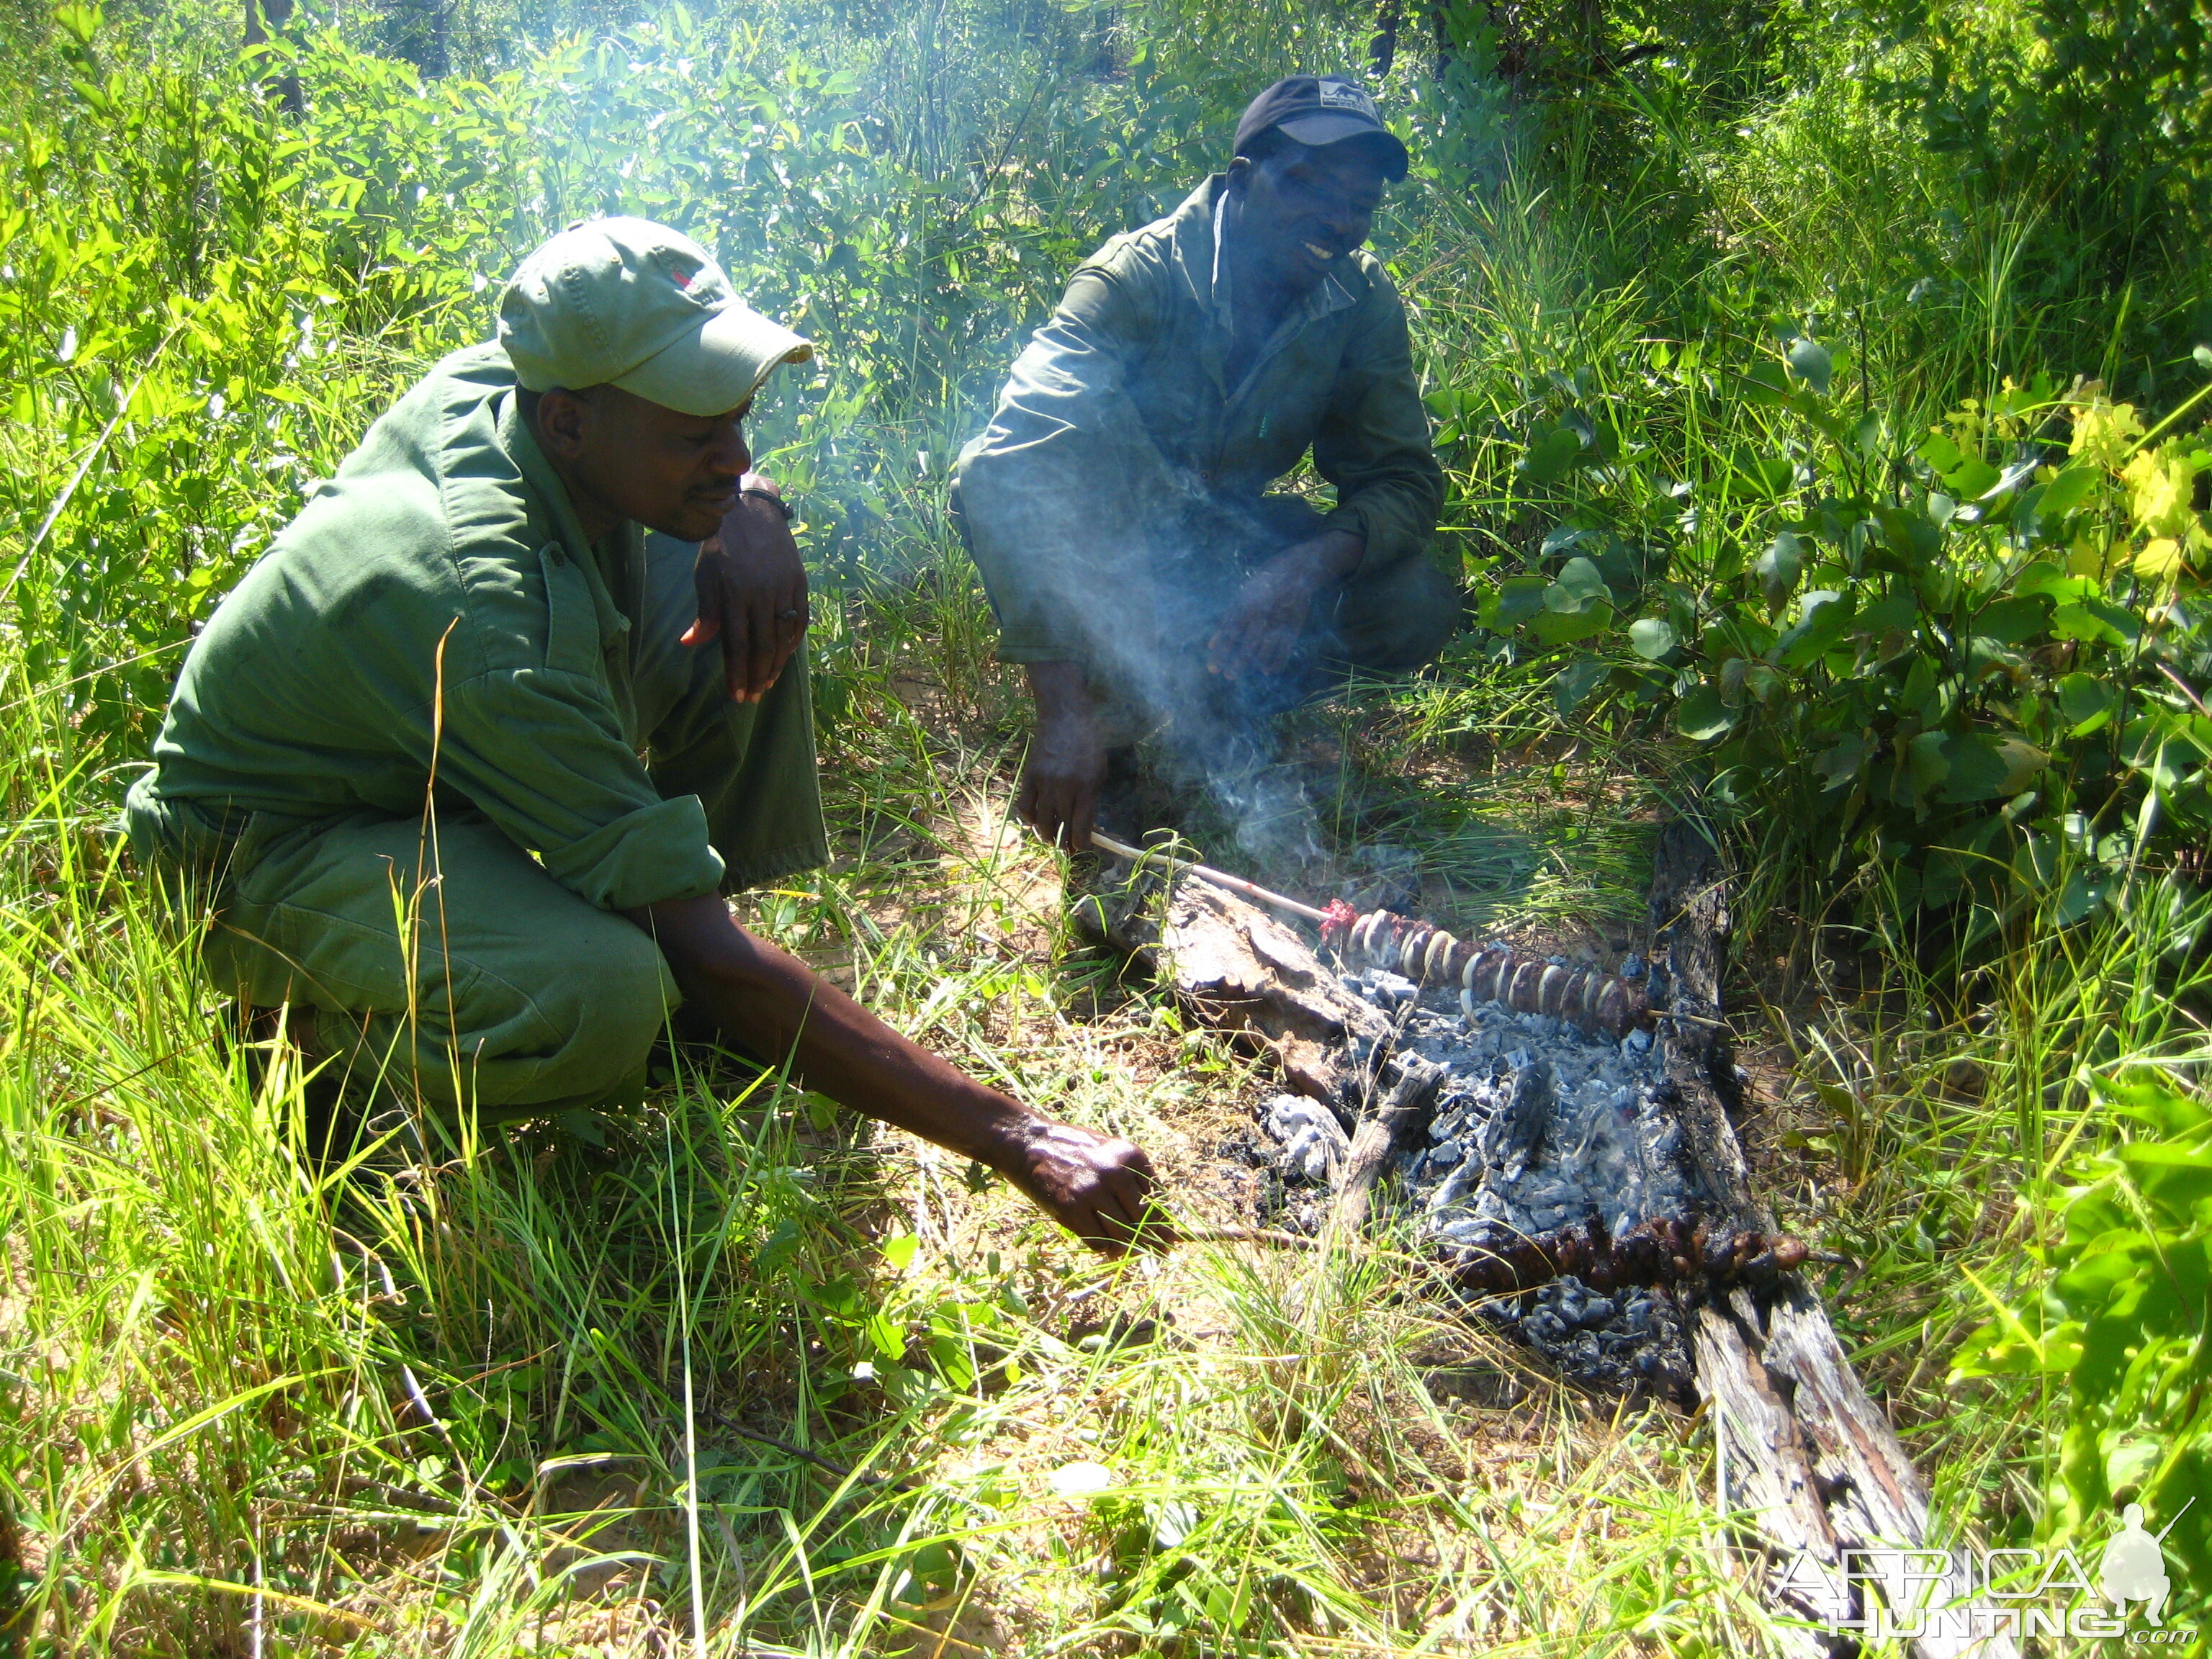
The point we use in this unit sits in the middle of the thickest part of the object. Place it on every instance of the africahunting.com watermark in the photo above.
(1970, 1596)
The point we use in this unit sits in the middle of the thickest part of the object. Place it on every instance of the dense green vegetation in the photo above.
(1820, 397)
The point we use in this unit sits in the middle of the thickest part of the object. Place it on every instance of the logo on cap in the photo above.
(1342, 95)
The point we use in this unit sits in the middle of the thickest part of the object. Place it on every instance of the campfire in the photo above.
(1546, 1170)
(1560, 1151)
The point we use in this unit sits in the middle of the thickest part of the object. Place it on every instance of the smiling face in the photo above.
(624, 458)
(1304, 210)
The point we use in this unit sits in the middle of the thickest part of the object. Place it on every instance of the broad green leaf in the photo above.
(1516, 600)
(1940, 452)
(2083, 621)
(1809, 361)
(2068, 491)
(80, 22)
(1551, 455)
(1839, 763)
(1912, 536)
(1971, 479)
(2015, 620)
(1980, 766)
(2159, 559)
(2087, 702)
(1702, 716)
(1927, 762)
(1651, 637)
(1575, 682)
(1570, 627)
(1778, 568)
(1764, 384)
(1581, 583)
(2083, 897)
(1819, 625)
(1894, 612)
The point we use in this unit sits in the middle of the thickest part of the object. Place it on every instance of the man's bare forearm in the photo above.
(1098, 1187)
(776, 1005)
(1329, 557)
(1058, 789)
(1059, 691)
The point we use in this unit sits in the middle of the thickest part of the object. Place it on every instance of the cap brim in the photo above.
(716, 367)
(1319, 131)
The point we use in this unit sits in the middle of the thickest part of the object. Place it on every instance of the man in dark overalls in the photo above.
(1117, 503)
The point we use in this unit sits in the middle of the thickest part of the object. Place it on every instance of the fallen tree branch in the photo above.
(1397, 1124)
(1822, 1474)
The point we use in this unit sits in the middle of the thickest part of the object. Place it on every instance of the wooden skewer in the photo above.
(1207, 1233)
(1251, 889)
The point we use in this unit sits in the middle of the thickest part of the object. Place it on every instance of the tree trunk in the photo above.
(1382, 49)
(262, 16)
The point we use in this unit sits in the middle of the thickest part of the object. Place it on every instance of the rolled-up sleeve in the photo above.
(1065, 455)
(1373, 441)
(541, 753)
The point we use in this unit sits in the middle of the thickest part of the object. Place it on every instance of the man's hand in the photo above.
(1067, 761)
(772, 1005)
(1100, 1189)
(1262, 626)
(752, 594)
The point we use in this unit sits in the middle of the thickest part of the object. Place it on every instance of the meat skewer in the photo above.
(1424, 953)
(1427, 955)
(1661, 1250)
(1251, 889)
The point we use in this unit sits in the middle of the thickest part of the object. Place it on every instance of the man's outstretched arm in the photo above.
(772, 1004)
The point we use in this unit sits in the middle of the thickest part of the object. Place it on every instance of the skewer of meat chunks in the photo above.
(1697, 1256)
(1424, 953)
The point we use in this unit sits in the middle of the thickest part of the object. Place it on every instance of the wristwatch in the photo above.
(772, 499)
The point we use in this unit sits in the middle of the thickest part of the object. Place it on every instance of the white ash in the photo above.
(1314, 1142)
(1540, 1125)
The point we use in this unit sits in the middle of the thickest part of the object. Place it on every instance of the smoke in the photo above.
(1213, 739)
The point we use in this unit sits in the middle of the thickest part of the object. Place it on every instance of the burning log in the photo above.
(1694, 1256)
(1427, 955)
(1397, 1121)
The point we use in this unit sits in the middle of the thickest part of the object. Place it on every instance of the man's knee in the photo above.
(1400, 620)
(605, 1010)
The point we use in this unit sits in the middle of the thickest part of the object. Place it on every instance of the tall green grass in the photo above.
(733, 1374)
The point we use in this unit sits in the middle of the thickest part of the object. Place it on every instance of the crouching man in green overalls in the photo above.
(464, 765)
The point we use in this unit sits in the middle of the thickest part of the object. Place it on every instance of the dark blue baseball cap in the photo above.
(1321, 110)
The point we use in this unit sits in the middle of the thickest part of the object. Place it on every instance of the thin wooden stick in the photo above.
(1209, 1233)
(1206, 872)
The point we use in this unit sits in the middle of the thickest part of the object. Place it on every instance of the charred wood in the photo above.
(1396, 1125)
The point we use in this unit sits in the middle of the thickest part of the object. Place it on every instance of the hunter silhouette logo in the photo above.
(2133, 1565)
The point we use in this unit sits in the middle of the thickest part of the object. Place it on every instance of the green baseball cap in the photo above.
(629, 303)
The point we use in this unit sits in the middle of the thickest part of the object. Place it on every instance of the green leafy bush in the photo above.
(2099, 108)
(1967, 657)
(2123, 1328)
